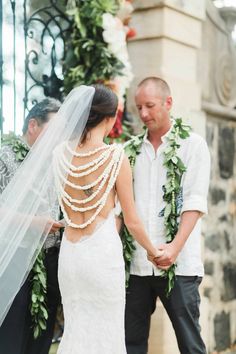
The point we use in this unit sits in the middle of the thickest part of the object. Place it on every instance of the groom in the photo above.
(154, 102)
(16, 334)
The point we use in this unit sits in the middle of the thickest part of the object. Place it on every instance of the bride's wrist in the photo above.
(155, 254)
(152, 253)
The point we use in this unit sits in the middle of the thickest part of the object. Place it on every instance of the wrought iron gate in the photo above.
(32, 68)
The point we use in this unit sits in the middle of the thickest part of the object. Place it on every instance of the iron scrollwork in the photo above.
(45, 33)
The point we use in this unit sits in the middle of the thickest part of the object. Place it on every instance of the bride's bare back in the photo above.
(87, 193)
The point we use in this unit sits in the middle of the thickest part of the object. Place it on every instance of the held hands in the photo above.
(165, 257)
(154, 258)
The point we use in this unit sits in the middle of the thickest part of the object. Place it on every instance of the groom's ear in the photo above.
(168, 103)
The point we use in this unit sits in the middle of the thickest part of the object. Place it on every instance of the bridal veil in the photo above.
(27, 202)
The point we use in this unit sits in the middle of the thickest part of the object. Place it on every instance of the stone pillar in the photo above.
(168, 38)
(169, 35)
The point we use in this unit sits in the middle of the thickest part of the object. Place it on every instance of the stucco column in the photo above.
(168, 38)
(169, 35)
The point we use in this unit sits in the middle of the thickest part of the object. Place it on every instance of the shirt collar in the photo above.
(165, 136)
(145, 138)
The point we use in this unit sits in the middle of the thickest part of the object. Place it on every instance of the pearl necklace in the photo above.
(63, 167)
(84, 154)
(90, 167)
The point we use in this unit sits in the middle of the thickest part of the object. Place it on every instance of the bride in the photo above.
(87, 176)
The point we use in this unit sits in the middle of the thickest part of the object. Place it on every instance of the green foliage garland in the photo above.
(39, 288)
(18, 146)
(38, 307)
(132, 150)
(175, 169)
(88, 59)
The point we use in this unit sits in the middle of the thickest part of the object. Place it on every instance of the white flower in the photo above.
(114, 35)
(108, 21)
(125, 10)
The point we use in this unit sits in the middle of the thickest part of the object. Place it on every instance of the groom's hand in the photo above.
(170, 253)
(154, 258)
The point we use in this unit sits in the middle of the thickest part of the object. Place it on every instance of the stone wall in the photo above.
(187, 43)
(220, 234)
(217, 69)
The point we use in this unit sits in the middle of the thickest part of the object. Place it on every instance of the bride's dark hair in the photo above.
(104, 105)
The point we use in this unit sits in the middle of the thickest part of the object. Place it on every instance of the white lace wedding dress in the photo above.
(91, 270)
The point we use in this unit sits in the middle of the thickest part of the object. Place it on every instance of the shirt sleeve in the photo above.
(196, 178)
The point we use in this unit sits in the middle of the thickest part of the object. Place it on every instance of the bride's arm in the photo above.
(124, 188)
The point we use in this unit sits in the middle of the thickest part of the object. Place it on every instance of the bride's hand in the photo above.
(56, 226)
(153, 257)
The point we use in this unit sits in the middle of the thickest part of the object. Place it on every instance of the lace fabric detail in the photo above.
(111, 159)
(91, 270)
(98, 226)
(92, 284)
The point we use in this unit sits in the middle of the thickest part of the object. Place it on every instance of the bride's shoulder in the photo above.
(117, 147)
(118, 150)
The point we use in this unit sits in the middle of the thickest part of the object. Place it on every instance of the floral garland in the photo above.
(38, 308)
(88, 59)
(115, 33)
(96, 50)
(18, 146)
(175, 169)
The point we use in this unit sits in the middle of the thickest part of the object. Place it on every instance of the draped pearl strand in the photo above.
(63, 167)
(84, 154)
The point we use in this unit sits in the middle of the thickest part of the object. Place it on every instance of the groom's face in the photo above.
(153, 107)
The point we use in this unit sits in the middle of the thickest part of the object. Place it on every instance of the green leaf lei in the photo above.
(18, 146)
(174, 171)
(38, 308)
(132, 150)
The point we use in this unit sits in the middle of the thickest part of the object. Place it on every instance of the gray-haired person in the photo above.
(16, 332)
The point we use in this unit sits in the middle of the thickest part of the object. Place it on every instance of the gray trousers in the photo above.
(182, 307)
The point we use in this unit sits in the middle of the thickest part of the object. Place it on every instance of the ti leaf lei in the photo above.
(174, 171)
(38, 308)
(132, 150)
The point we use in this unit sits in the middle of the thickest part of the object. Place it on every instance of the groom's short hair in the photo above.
(160, 84)
(40, 112)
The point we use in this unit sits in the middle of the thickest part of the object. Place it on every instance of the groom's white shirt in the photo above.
(149, 177)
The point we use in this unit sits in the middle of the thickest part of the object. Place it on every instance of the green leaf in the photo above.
(184, 134)
(38, 310)
(34, 298)
(45, 313)
(36, 332)
(42, 279)
(167, 211)
(174, 159)
(42, 324)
